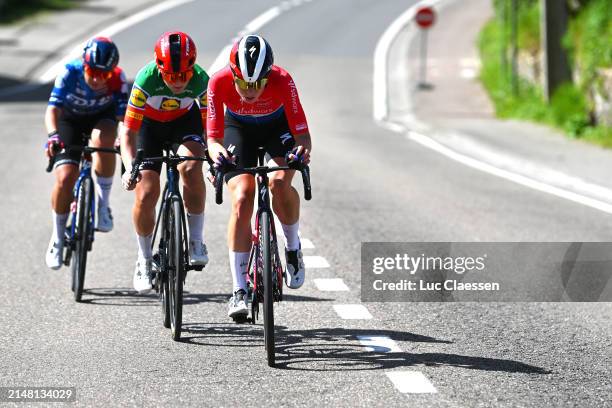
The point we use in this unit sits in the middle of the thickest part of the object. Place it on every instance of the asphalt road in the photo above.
(369, 184)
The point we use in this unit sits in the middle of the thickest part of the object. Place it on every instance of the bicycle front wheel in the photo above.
(82, 235)
(176, 267)
(268, 304)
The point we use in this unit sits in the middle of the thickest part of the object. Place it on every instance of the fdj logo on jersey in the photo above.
(168, 104)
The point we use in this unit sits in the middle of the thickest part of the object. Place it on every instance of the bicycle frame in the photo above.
(84, 172)
(263, 205)
(171, 189)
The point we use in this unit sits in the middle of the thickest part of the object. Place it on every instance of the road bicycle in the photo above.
(265, 271)
(79, 236)
(171, 261)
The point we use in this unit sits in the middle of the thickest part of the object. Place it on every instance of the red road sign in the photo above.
(425, 17)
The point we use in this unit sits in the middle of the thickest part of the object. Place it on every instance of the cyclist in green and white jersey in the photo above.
(167, 105)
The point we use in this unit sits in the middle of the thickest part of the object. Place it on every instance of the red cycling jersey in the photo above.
(280, 95)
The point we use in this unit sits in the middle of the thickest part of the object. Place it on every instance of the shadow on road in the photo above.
(117, 297)
(338, 349)
(129, 297)
(12, 91)
(226, 334)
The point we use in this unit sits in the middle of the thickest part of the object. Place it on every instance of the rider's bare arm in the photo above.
(127, 138)
(52, 115)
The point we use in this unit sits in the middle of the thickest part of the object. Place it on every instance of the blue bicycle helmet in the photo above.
(101, 53)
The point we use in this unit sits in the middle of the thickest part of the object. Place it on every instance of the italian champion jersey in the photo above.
(152, 99)
(280, 97)
(72, 93)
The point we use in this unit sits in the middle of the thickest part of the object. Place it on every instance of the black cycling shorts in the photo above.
(154, 136)
(243, 140)
(75, 130)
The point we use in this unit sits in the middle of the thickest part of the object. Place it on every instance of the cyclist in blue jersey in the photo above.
(89, 98)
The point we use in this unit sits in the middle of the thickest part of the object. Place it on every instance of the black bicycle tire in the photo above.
(175, 275)
(82, 237)
(268, 305)
(162, 263)
(165, 301)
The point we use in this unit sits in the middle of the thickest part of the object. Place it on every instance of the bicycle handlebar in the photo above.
(77, 148)
(139, 159)
(303, 169)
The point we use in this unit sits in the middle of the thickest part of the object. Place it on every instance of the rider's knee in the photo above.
(242, 203)
(146, 197)
(66, 176)
(191, 170)
(279, 187)
(104, 133)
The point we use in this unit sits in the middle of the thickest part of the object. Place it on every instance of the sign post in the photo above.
(424, 18)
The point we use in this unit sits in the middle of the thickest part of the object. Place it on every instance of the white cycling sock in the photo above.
(144, 247)
(196, 226)
(59, 226)
(292, 240)
(103, 191)
(238, 266)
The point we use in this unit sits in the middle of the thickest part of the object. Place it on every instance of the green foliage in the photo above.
(589, 39)
(13, 10)
(568, 108)
(529, 26)
(600, 135)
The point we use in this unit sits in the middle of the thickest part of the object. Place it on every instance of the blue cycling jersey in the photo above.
(72, 93)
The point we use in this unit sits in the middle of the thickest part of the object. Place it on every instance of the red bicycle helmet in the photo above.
(175, 52)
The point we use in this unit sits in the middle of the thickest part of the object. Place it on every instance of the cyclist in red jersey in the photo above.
(263, 110)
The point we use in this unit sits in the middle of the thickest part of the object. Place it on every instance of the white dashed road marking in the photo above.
(306, 243)
(331, 285)
(411, 382)
(352, 312)
(407, 382)
(315, 262)
(380, 344)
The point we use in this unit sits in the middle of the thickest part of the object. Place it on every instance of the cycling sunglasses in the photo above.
(244, 85)
(177, 76)
(98, 73)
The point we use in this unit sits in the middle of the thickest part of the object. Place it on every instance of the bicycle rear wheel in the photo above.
(82, 235)
(176, 269)
(268, 304)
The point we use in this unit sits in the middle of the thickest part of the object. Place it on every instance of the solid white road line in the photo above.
(251, 27)
(313, 261)
(381, 110)
(380, 344)
(119, 26)
(381, 56)
(263, 19)
(331, 285)
(508, 175)
(411, 382)
(352, 312)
